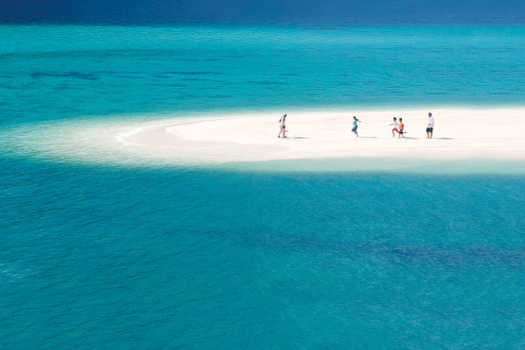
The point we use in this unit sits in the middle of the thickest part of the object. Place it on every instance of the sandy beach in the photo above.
(458, 133)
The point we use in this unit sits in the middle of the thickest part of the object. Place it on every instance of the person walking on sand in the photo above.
(282, 125)
(354, 129)
(284, 132)
(396, 127)
(430, 126)
(402, 131)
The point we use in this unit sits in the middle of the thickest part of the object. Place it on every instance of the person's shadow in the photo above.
(424, 138)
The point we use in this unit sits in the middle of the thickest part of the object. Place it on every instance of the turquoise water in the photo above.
(110, 256)
(57, 72)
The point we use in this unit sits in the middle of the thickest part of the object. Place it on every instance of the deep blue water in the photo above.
(296, 12)
(109, 256)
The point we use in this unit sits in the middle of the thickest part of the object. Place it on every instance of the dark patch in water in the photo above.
(219, 96)
(78, 75)
(193, 73)
(453, 257)
(196, 79)
(263, 82)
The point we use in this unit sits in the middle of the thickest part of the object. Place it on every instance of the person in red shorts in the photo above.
(396, 127)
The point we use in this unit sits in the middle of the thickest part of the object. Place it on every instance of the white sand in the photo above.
(458, 133)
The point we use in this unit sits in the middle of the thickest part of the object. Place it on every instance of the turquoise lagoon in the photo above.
(151, 255)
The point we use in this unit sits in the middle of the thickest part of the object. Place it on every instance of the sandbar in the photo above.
(494, 133)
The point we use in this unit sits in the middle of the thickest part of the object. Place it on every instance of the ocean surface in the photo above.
(289, 12)
(99, 251)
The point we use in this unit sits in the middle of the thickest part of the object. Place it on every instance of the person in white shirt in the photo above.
(396, 127)
(430, 126)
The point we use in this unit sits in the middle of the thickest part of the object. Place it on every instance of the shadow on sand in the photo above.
(424, 138)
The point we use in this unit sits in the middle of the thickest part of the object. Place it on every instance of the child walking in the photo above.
(284, 131)
(354, 129)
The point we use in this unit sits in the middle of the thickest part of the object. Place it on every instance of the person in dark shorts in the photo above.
(354, 129)
(402, 131)
(430, 126)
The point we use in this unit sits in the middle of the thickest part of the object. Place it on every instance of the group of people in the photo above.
(282, 124)
(398, 127)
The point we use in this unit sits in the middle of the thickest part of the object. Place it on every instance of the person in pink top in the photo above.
(284, 131)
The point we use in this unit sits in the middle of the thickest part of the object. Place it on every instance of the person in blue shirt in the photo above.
(354, 129)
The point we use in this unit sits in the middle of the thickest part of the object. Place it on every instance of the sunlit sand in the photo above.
(458, 133)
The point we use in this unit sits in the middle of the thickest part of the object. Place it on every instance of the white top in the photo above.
(396, 125)
(430, 123)
(282, 121)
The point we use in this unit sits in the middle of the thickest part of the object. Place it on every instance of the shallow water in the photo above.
(149, 255)
(60, 72)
